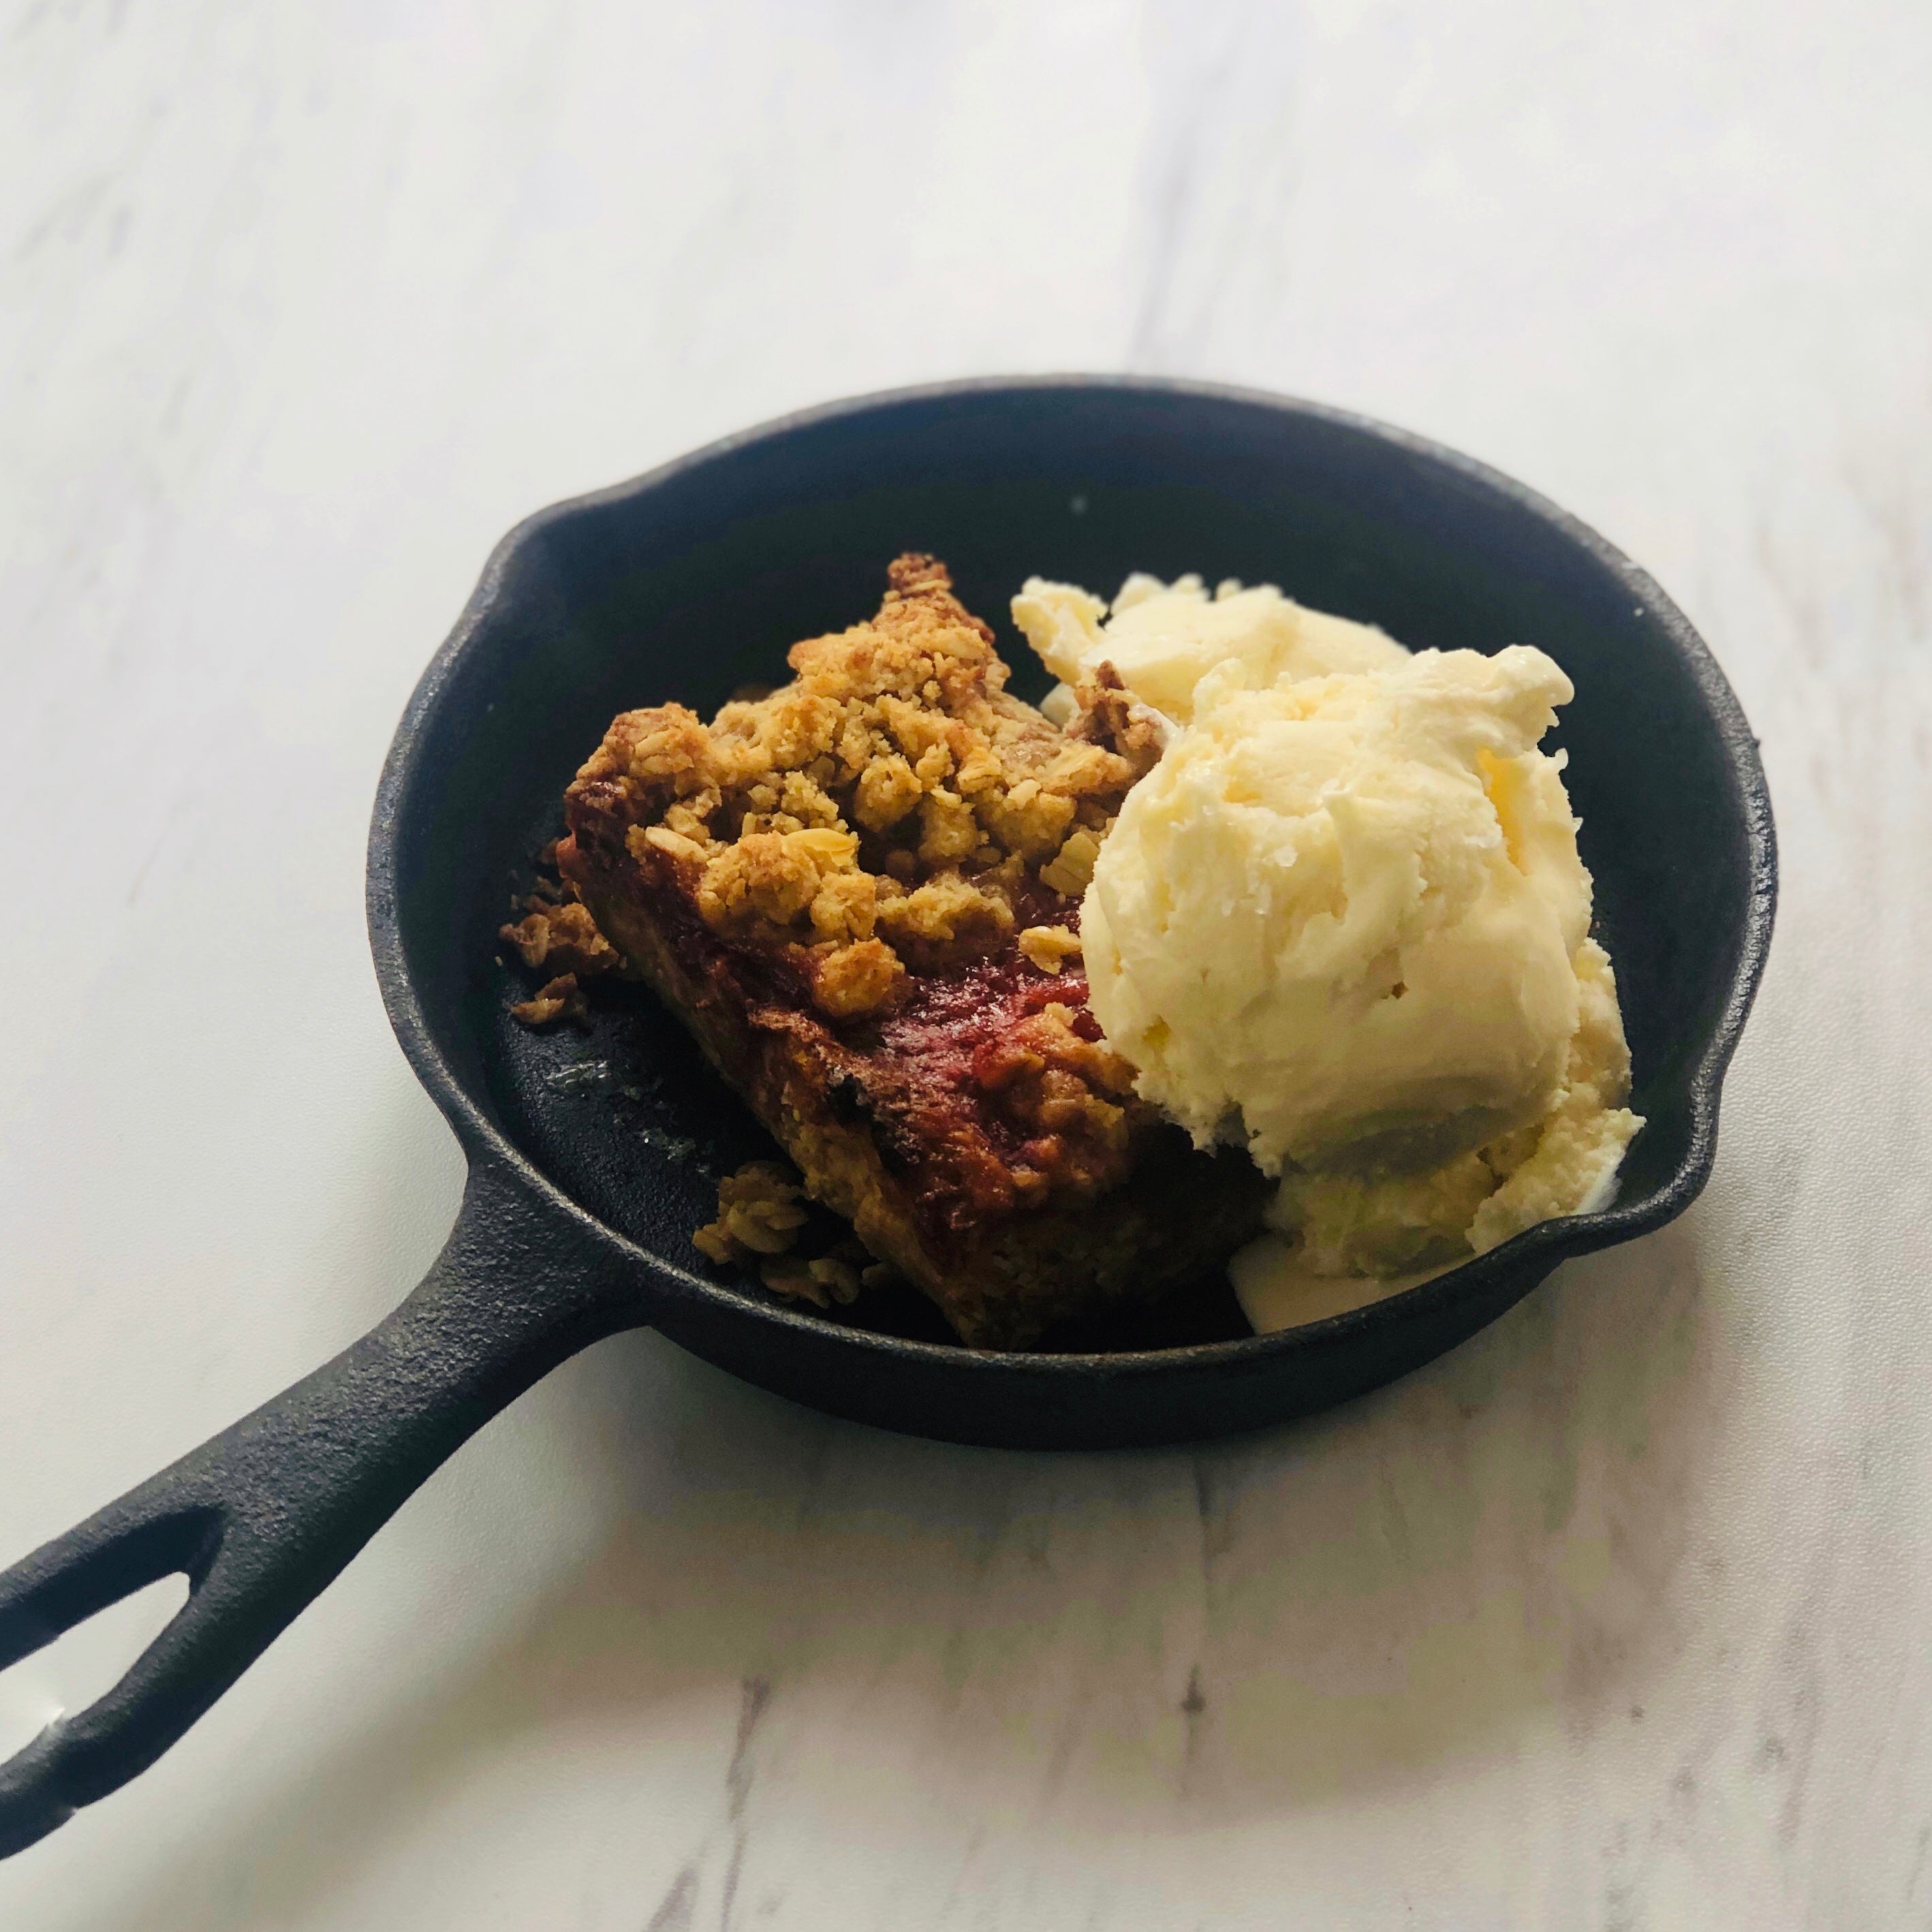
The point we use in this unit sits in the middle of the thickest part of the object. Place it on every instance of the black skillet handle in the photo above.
(262, 1517)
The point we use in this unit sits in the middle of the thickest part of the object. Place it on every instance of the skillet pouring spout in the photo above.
(261, 1518)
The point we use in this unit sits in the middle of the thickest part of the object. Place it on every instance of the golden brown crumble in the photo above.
(1049, 1081)
(1049, 947)
(760, 1209)
(881, 813)
(1109, 714)
(1072, 870)
(828, 1279)
(761, 1216)
(559, 999)
(561, 935)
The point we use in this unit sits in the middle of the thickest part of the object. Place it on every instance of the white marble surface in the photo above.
(1617, 1618)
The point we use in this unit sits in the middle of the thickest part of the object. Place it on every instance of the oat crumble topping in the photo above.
(761, 1217)
(561, 998)
(561, 935)
(884, 813)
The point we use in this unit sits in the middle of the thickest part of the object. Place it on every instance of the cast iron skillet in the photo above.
(590, 1162)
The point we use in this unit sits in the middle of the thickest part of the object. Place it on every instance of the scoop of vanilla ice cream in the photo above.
(1343, 919)
(1338, 921)
(1337, 1241)
(1163, 639)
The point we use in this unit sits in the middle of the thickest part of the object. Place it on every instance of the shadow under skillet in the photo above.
(1585, 1442)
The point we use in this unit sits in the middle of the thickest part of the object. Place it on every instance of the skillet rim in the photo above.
(1530, 1255)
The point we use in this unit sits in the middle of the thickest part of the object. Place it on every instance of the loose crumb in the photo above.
(822, 1282)
(761, 1217)
(1049, 947)
(561, 935)
(557, 932)
(760, 1209)
(788, 1276)
(840, 1279)
(559, 999)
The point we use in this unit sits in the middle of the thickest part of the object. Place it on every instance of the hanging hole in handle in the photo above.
(82, 1598)
(82, 1663)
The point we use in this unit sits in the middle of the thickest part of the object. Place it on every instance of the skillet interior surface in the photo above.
(693, 580)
